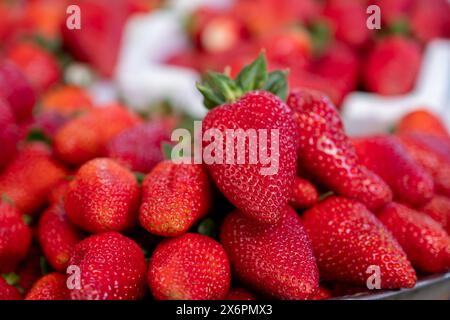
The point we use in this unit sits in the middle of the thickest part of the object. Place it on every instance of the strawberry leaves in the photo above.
(218, 88)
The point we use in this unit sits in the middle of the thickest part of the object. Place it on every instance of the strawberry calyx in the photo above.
(218, 88)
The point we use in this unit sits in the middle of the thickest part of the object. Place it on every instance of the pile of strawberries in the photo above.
(325, 44)
(91, 209)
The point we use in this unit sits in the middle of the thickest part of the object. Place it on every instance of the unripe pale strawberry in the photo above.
(189, 267)
(104, 196)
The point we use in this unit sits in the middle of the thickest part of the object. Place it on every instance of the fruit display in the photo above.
(268, 196)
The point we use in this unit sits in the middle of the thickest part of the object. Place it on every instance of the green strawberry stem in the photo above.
(219, 88)
(11, 278)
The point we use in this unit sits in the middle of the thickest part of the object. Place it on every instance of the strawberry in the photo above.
(274, 259)
(15, 238)
(348, 239)
(174, 197)
(189, 267)
(44, 18)
(46, 123)
(239, 294)
(322, 294)
(68, 100)
(57, 237)
(112, 267)
(439, 209)
(430, 20)
(102, 25)
(104, 196)
(394, 11)
(305, 194)
(392, 66)
(85, 138)
(327, 153)
(388, 158)
(139, 147)
(16, 90)
(28, 179)
(30, 269)
(8, 292)
(9, 133)
(50, 287)
(433, 154)
(242, 106)
(424, 121)
(348, 20)
(425, 241)
(39, 66)
(59, 191)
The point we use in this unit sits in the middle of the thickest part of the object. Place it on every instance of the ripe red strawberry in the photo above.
(8, 292)
(392, 66)
(425, 241)
(85, 138)
(274, 259)
(59, 191)
(394, 11)
(388, 158)
(16, 90)
(347, 239)
(322, 294)
(189, 267)
(260, 190)
(239, 294)
(112, 267)
(305, 194)
(433, 154)
(423, 121)
(430, 20)
(43, 125)
(57, 237)
(28, 179)
(15, 238)
(348, 19)
(174, 197)
(39, 66)
(139, 147)
(327, 153)
(68, 100)
(439, 209)
(104, 196)
(9, 133)
(50, 287)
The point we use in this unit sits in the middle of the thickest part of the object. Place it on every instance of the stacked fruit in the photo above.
(90, 208)
(327, 45)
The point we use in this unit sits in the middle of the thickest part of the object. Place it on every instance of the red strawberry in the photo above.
(388, 158)
(261, 190)
(439, 209)
(112, 267)
(433, 154)
(46, 123)
(423, 239)
(322, 294)
(67, 100)
(423, 121)
(348, 239)
(275, 259)
(305, 194)
(189, 267)
(239, 294)
(139, 147)
(30, 269)
(348, 19)
(394, 11)
(15, 238)
(430, 19)
(327, 153)
(28, 179)
(39, 66)
(50, 287)
(8, 292)
(86, 137)
(104, 196)
(57, 237)
(16, 90)
(174, 197)
(59, 191)
(392, 66)
(9, 133)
